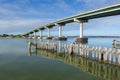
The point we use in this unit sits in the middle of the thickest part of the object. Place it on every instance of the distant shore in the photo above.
(97, 36)
(103, 36)
(67, 36)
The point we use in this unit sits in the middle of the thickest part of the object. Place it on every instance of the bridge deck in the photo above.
(102, 12)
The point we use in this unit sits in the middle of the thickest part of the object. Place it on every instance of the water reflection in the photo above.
(107, 55)
(60, 45)
(106, 71)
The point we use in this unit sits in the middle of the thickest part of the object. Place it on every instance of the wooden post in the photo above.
(96, 52)
(113, 42)
(99, 54)
(93, 52)
(29, 48)
(114, 56)
(110, 55)
(118, 54)
(105, 55)
(87, 51)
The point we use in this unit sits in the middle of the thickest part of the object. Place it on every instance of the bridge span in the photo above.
(80, 18)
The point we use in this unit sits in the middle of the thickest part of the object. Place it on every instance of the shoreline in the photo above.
(75, 37)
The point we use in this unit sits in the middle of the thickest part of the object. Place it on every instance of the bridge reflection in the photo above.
(106, 71)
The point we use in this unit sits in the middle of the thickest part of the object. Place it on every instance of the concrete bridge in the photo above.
(80, 18)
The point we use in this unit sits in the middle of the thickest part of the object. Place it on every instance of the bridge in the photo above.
(80, 18)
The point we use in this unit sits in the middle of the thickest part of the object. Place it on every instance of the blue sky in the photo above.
(21, 16)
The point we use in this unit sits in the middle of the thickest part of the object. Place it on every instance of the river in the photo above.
(17, 64)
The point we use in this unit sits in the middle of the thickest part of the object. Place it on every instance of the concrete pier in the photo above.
(49, 37)
(30, 36)
(60, 37)
(60, 31)
(40, 34)
(81, 39)
(35, 35)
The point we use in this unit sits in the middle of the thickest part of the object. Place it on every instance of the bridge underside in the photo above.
(81, 18)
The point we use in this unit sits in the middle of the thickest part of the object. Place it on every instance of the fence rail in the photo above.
(107, 55)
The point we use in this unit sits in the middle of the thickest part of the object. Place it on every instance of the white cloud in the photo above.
(61, 4)
(21, 9)
(94, 4)
(106, 21)
(16, 17)
(21, 25)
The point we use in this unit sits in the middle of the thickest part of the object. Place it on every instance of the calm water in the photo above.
(17, 63)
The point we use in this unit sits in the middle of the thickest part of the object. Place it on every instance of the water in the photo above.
(16, 64)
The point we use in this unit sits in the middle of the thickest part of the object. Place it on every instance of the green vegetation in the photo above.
(11, 36)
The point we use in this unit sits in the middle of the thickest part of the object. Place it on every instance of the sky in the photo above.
(21, 16)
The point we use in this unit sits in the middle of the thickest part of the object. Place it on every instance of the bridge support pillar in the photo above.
(35, 35)
(60, 31)
(81, 30)
(60, 37)
(30, 36)
(48, 37)
(81, 39)
(40, 34)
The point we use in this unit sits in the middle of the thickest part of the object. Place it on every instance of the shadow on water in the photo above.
(106, 71)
